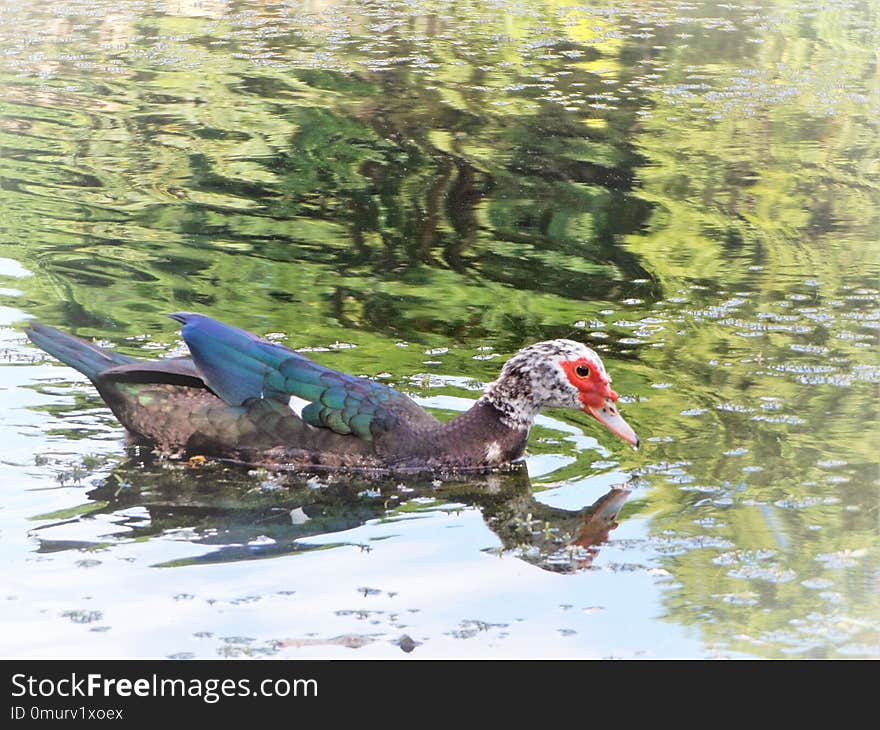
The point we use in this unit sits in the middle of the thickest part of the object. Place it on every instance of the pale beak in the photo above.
(608, 415)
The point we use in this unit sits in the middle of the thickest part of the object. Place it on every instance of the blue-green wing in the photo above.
(238, 365)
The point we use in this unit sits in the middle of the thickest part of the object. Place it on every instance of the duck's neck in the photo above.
(480, 436)
(511, 397)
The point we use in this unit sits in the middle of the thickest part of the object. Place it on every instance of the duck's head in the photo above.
(557, 374)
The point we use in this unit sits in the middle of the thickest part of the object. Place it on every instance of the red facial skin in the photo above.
(594, 388)
(597, 398)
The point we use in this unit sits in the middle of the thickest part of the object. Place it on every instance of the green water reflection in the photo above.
(691, 188)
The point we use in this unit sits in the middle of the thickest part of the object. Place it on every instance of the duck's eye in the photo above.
(582, 371)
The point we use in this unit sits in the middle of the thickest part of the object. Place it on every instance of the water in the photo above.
(412, 191)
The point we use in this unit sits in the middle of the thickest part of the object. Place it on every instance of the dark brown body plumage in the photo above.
(184, 415)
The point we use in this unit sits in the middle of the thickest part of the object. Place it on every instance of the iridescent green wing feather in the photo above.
(237, 366)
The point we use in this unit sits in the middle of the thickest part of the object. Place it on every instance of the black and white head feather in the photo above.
(534, 379)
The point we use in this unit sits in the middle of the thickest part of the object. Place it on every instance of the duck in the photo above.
(240, 397)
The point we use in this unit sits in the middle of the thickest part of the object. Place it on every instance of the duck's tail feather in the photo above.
(89, 359)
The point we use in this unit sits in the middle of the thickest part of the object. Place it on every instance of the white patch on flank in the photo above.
(297, 404)
(493, 453)
(298, 516)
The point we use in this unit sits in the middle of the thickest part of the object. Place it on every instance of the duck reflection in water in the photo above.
(251, 515)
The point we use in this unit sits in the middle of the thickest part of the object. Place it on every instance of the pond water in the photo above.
(412, 191)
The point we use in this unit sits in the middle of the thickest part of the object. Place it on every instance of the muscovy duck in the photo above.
(241, 397)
